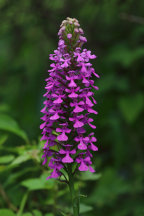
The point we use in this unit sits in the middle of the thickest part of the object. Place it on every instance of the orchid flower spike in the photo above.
(69, 103)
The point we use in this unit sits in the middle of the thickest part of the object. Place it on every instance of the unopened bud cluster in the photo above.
(71, 33)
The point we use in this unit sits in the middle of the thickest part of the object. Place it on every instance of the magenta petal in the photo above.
(78, 160)
(92, 126)
(83, 167)
(71, 119)
(58, 130)
(96, 87)
(85, 81)
(54, 117)
(68, 130)
(72, 104)
(72, 84)
(81, 130)
(73, 95)
(51, 110)
(91, 169)
(88, 102)
(94, 100)
(78, 124)
(92, 111)
(67, 78)
(58, 101)
(86, 139)
(82, 146)
(73, 151)
(93, 139)
(67, 159)
(79, 58)
(44, 161)
(49, 87)
(44, 118)
(64, 65)
(44, 137)
(44, 109)
(83, 69)
(93, 56)
(93, 71)
(54, 174)
(82, 38)
(87, 159)
(62, 137)
(42, 125)
(93, 147)
(69, 36)
(61, 151)
(78, 109)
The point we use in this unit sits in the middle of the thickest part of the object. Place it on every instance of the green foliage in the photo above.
(8, 124)
(39, 183)
(131, 107)
(85, 208)
(28, 34)
(50, 214)
(3, 138)
(109, 188)
(37, 213)
(6, 159)
(123, 55)
(27, 214)
(6, 212)
(88, 176)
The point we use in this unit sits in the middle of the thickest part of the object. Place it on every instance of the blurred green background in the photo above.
(28, 34)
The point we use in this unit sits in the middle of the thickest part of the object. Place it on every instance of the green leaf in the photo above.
(6, 159)
(6, 212)
(37, 213)
(50, 214)
(26, 155)
(27, 214)
(20, 159)
(38, 183)
(13, 177)
(4, 108)
(109, 188)
(124, 55)
(9, 124)
(131, 107)
(85, 208)
(3, 138)
(33, 184)
(2, 168)
(89, 176)
(62, 213)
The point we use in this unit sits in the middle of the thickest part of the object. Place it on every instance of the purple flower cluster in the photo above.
(69, 103)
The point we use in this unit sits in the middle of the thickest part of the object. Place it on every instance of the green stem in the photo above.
(74, 196)
(23, 202)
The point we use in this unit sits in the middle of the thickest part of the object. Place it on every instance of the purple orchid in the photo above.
(85, 163)
(67, 152)
(63, 130)
(69, 102)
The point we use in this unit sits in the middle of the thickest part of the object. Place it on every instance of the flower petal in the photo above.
(78, 124)
(62, 137)
(83, 166)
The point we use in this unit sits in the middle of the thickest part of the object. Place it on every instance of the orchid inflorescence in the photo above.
(69, 103)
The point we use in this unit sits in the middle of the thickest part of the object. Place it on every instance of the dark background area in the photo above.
(28, 34)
